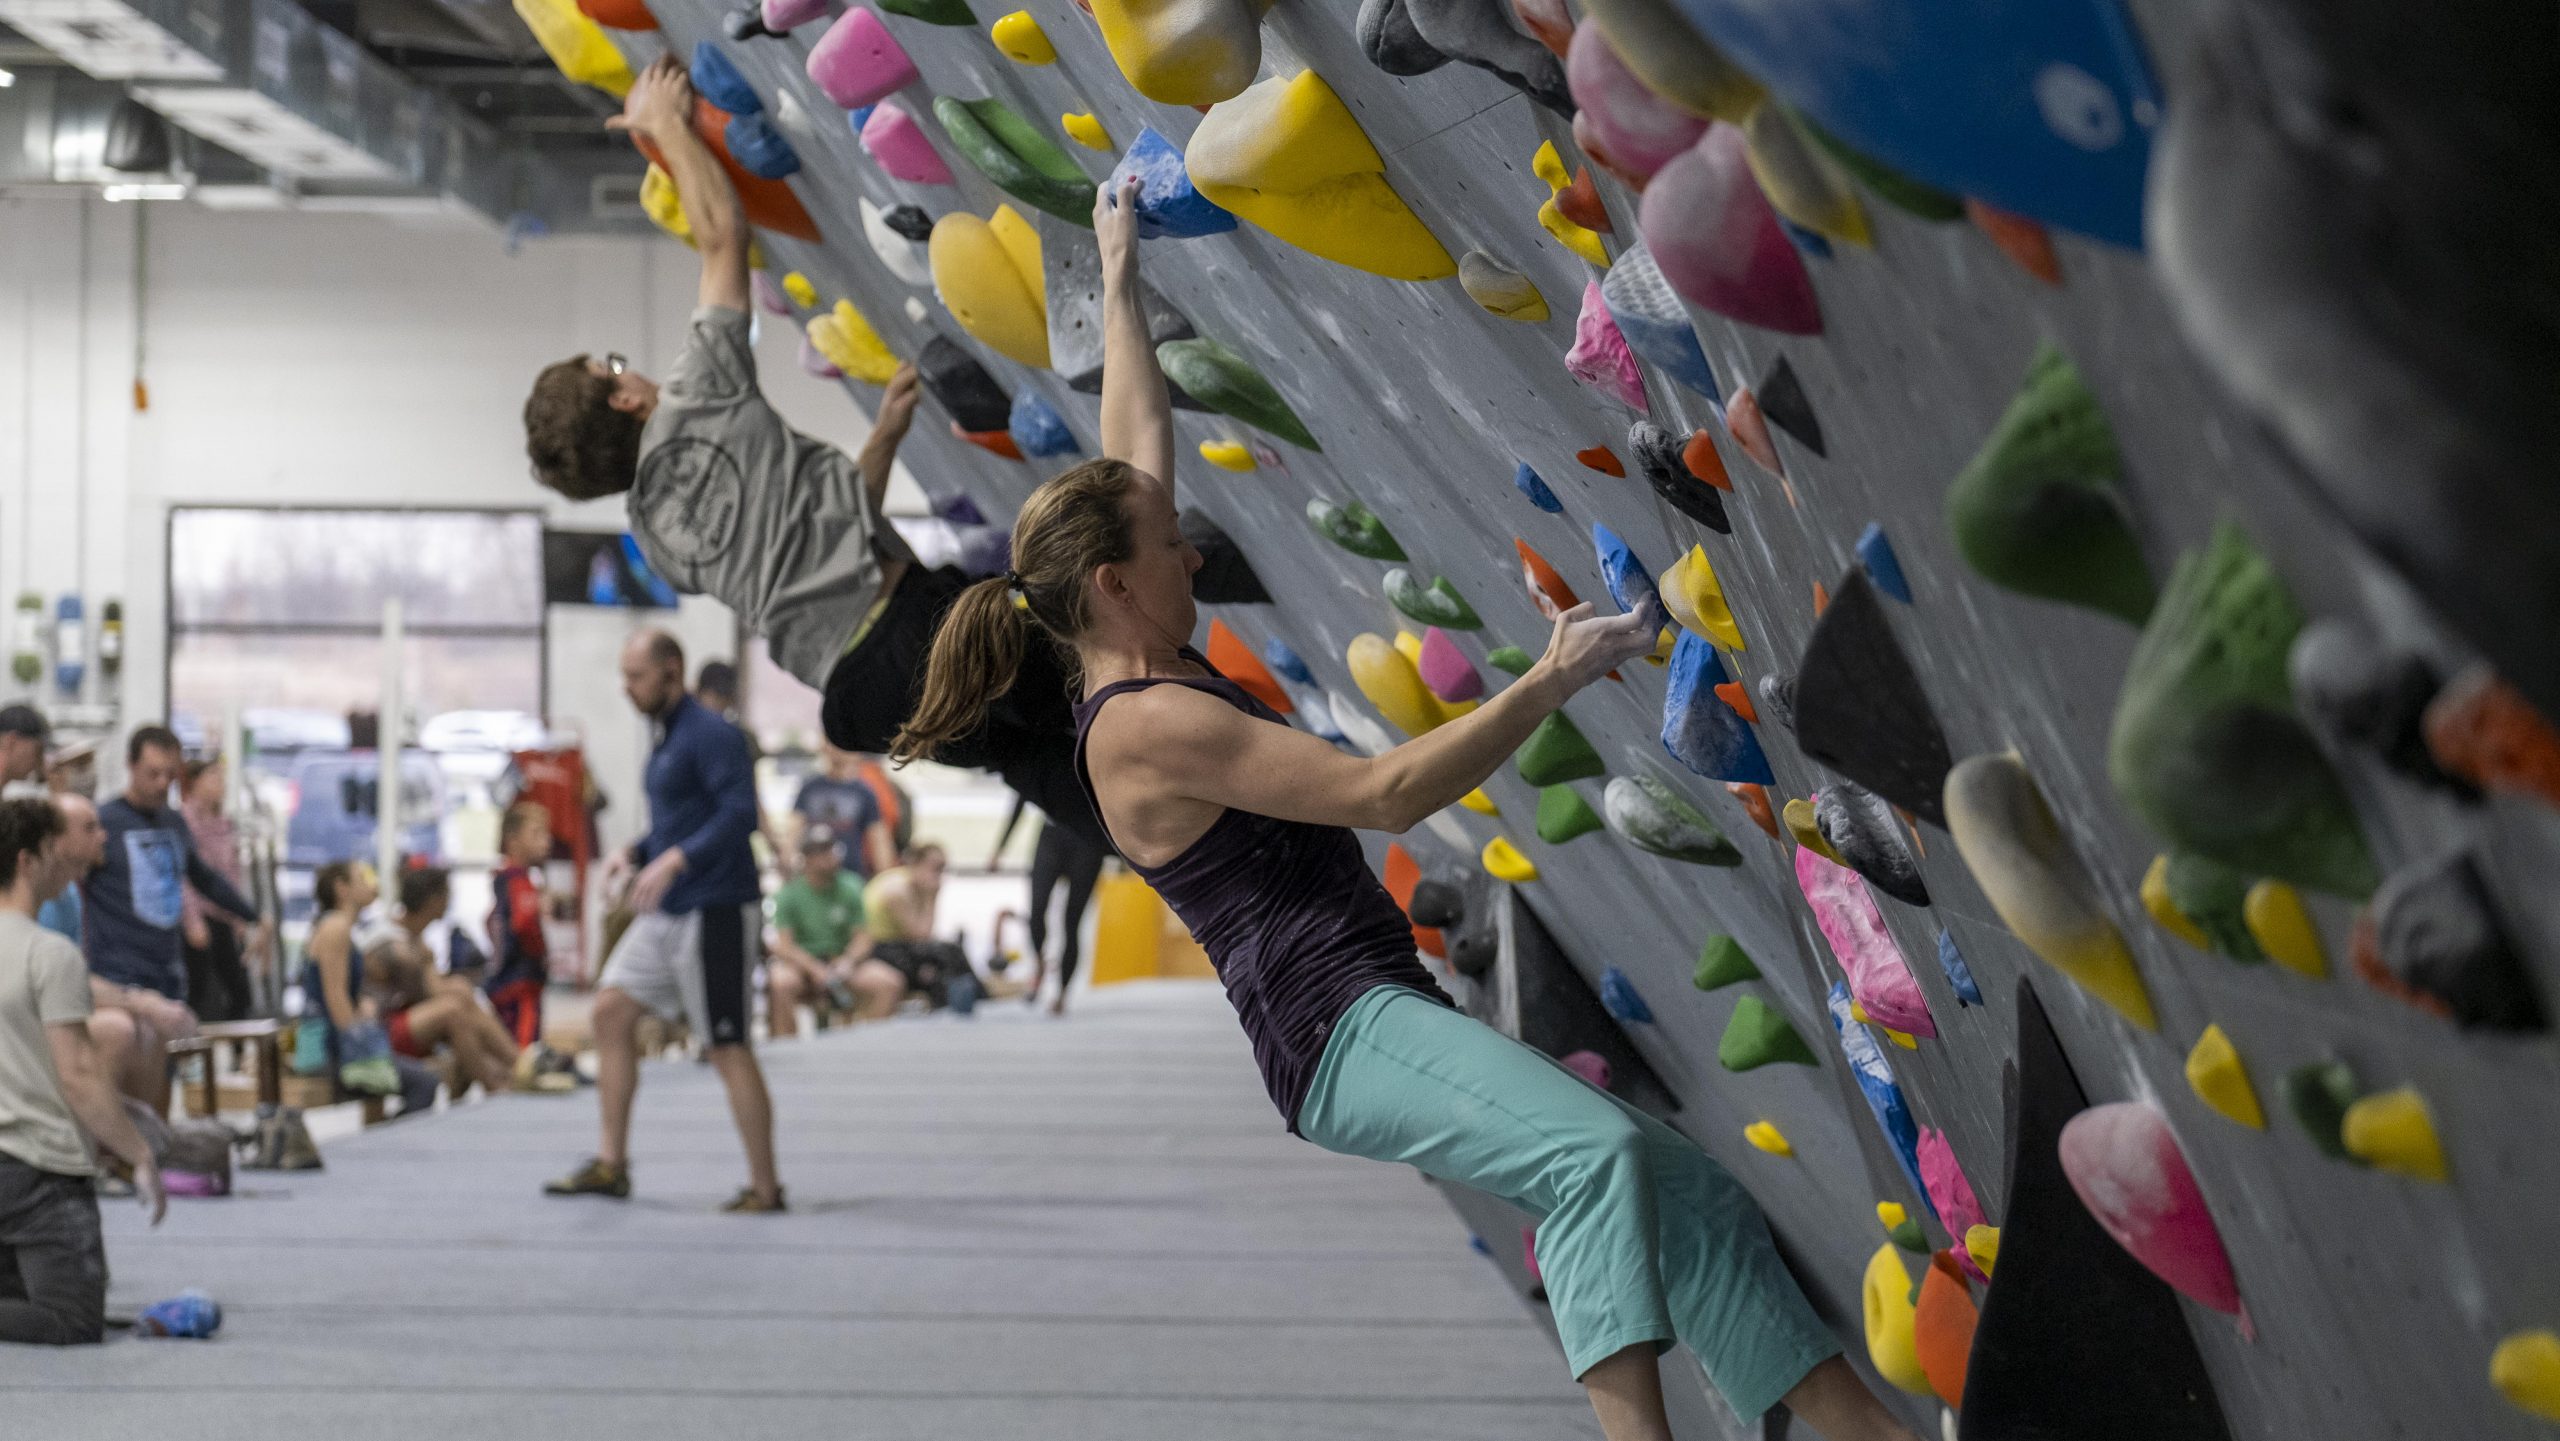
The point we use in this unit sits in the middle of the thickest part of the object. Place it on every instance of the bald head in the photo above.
(652, 670)
(84, 841)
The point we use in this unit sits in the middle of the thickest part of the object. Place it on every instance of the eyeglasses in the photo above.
(614, 364)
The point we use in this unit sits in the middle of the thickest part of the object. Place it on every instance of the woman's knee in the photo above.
(1608, 1152)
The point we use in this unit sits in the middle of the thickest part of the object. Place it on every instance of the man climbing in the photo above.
(727, 500)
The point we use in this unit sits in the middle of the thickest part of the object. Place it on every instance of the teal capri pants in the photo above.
(1642, 1238)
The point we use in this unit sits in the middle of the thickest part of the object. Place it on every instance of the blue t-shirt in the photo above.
(61, 915)
(847, 808)
(702, 801)
(132, 903)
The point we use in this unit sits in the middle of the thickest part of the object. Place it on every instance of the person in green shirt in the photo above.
(821, 953)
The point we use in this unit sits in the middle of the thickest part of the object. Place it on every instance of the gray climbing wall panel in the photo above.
(2376, 1299)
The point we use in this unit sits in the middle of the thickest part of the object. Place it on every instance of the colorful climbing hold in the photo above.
(1801, 180)
(1766, 1137)
(2024, 241)
(845, 337)
(994, 442)
(1184, 52)
(2126, 1166)
(1509, 659)
(1798, 817)
(1085, 130)
(2434, 938)
(1758, 1035)
(2483, 730)
(1890, 1319)
(1867, 838)
(988, 274)
(1621, 998)
(1755, 804)
(1899, 1228)
(802, 293)
(1722, 962)
(1016, 157)
(1591, 1066)
(1555, 753)
(1656, 325)
(2215, 1074)
(1630, 584)
(2164, 910)
(1446, 669)
(858, 62)
(1876, 558)
(1476, 800)
(1530, 484)
(1982, 1243)
(893, 138)
(1500, 289)
(1169, 205)
(1563, 815)
(1700, 731)
(2393, 1131)
(1857, 705)
(1749, 428)
(1355, 529)
(1287, 156)
(2038, 509)
(1654, 818)
(2526, 1370)
(1602, 459)
(1695, 599)
(2209, 894)
(1943, 1325)
(2319, 1095)
(2009, 839)
(1227, 383)
(2363, 693)
(1435, 604)
(2278, 921)
(1572, 212)
(1874, 1075)
(1038, 427)
(1959, 975)
(1737, 696)
(1718, 242)
(1637, 131)
(1879, 978)
(1547, 589)
(1600, 357)
(2205, 746)
(1022, 41)
(908, 260)
(1227, 454)
(1657, 455)
(1392, 685)
(1503, 861)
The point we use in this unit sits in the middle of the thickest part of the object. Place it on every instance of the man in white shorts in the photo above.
(696, 917)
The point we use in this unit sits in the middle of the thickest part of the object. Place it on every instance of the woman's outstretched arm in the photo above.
(1137, 410)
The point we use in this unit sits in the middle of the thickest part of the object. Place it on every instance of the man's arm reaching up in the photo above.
(660, 110)
(879, 456)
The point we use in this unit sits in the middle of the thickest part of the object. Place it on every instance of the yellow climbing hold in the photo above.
(658, 201)
(577, 45)
(2392, 1131)
(1409, 646)
(1858, 1013)
(1768, 1138)
(1022, 40)
(1890, 1214)
(1695, 598)
(1287, 156)
(2282, 927)
(1890, 1317)
(1184, 52)
(1086, 131)
(1476, 800)
(845, 337)
(2164, 911)
(988, 275)
(1392, 685)
(1227, 454)
(2526, 1370)
(1982, 1243)
(1662, 644)
(1505, 862)
(1579, 239)
(1802, 183)
(1798, 818)
(802, 293)
(2220, 1081)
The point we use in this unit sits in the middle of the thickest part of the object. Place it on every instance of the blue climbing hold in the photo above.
(1700, 730)
(717, 80)
(1808, 241)
(1884, 1095)
(1168, 205)
(1630, 584)
(1277, 655)
(1621, 998)
(1875, 554)
(859, 117)
(1038, 427)
(1476, 1243)
(1534, 486)
(959, 509)
(1959, 975)
(1655, 322)
(759, 148)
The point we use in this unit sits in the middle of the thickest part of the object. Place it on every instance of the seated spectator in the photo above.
(820, 954)
(898, 912)
(132, 1027)
(217, 973)
(421, 1009)
(341, 1031)
(55, 1099)
(838, 799)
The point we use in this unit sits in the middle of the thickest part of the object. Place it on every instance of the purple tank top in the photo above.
(1290, 915)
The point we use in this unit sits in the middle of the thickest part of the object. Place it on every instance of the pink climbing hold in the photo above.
(1750, 430)
(1951, 1195)
(900, 145)
(1879, 977)
(817, 364)
(783, 16)
(1718, 241)
(1529, 1253)
(1625, 126)
(1589, 1065)
(2124, 1162)
(858, 62)
(1446, 669)
(1600, 357)
(769, 296)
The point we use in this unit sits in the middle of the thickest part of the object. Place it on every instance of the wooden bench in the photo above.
(264, 1037)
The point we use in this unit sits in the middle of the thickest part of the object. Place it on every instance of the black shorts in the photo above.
(1029, 737)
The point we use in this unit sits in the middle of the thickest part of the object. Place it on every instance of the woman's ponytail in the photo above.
(975, 656)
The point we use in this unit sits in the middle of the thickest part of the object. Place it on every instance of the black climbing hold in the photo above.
(963, 388)
(909, 221)
(2438, 933)
(1482, 35)
(1657, 454)
(1859, 708)
(1225, 577)
(1784, 404)
(2037, 1361)
(1861, 827)
(745, 23)
(2318, 1095)
(1557, 1010)
(1388, 38)
(2358, 691)
(1437, 904)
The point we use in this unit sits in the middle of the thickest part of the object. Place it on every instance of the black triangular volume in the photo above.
(1559, 1012)
(1657, 454)
(1784, 403)
(962, 387)
(2077, 1340)
(1225, 577)
(1860, 709)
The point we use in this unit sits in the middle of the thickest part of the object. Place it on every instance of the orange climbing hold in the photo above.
(1755, 803)
(1236, 661)
(999, 441)
(2482, 729)
(1547, 590)
(1821, 598)
(619, 14)
(1703, 462)
(1751, 430)
(769, 204)
(1737, 695)
(1400, 875)
(1580, 202)
(2019, 238)
(1602, 459)
(1942, 1331)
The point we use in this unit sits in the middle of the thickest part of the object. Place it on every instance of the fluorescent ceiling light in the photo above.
(160, 191)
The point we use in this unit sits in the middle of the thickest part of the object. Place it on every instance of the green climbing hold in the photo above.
(933, 12)
(1018, 156)
(1757, 1036)
(2211, 896)
(1509, 659)
(2206, 747)
(1658, 820)
(1563, 815)
(1556, 753)
(1910, 1237)
(1355, 528)
(2038, 510)
(1887, 184)
(2319, 1095)
(1227, 383)
(1722, 963)
(1435, 604)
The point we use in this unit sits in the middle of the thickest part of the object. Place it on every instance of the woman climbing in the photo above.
(1242, 824)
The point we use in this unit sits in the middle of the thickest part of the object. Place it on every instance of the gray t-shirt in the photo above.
(42, 983)
(732, 503)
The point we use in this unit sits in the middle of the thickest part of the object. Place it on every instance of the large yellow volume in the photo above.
(576, 44)
(1287, 156)
(988, 275)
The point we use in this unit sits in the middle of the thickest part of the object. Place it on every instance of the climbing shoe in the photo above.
(595, 1178)
(192, 1315)
(747, 1202)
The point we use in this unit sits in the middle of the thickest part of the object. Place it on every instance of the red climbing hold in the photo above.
(1942, 1330)
(1602, 459)
(1751, 430)
(619, 14)
(1737, 695)
(2019, 238)
(1580, 202)
(1400, 875)
(1755, 803)
(1236, 661)
(770, 204)
(2483, 729)
(1547, 21)
(1547, 590)
(999, 441)
(1703, 461)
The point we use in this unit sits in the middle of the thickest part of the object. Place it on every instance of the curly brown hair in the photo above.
(581, 446)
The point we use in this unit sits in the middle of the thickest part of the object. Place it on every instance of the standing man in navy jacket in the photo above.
(696, 919)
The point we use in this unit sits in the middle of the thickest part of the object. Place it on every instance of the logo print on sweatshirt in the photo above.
(689, 495)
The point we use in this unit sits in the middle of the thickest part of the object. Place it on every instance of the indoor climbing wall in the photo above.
(2069, 858)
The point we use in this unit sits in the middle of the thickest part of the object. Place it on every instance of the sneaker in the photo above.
(748, 1203)
(552, 1083)
(192, 1315)
(595, 1178)
(375, 1077)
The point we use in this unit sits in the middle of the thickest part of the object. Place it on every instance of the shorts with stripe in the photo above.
(691, 967)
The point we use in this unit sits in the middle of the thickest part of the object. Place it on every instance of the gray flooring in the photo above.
(1003, 1227)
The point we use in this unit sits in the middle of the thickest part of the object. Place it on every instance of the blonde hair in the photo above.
(1076, 522)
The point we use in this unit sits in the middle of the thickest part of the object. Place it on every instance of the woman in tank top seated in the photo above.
(1243, 825)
